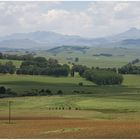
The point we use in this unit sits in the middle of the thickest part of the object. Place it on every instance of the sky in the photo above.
(84, 18)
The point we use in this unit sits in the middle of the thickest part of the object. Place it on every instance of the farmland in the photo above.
(103, 112)
(85, 111)
(96, 102)
(70, 128)
(120, 56)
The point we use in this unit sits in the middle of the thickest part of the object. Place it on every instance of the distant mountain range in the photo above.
(48, 40)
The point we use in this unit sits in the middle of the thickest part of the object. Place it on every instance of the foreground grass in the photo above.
(103, 106)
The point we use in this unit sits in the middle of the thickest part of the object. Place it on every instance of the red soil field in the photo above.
(68, 128)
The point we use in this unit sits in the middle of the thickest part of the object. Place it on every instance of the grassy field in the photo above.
(100, 102)
(118, 106)
(23, 83)
(103, 111)
(95, 110)
(120, 56)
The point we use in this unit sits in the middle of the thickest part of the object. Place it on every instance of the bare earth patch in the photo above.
(68, 128)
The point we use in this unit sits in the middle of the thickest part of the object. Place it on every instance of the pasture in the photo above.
(120, 56)
(97, 102)
(100, 115)
(24, 83)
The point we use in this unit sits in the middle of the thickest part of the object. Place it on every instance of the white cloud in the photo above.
(97, 19)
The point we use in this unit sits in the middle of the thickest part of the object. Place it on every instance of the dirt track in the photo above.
(68, 128)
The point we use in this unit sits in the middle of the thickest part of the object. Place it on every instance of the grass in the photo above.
(69, 85)
(26, 83)
(91, 106)
(120, 56)
(94, 102)
(100, 102)
(132, 80)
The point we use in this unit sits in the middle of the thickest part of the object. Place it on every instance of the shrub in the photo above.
(81, 84)
(69, 108)
(2, 90)
(49, 92)
(59, 92)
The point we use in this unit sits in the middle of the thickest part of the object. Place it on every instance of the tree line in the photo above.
(28, 56)
(100, 76)
(51, 67)
(8, 67)
(42, 66)
(7, 92)
(130, 68)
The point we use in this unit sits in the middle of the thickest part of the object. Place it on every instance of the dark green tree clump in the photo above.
(78, 68)
(103, 77)
(129, 69)
(28, 56)
(41, 66)
(8, 67)
(6, 92)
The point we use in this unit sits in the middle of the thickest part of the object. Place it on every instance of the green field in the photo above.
(98, 102)
(124, 106)
(23, 83)
(120, 56)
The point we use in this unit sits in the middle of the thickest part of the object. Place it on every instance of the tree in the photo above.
(41, 66)
(49, 92)
(52, 62)
(59, 92)
(1, 55)
(76, 59)
(8, 67)
(103, 77)
(72, 73)
(79, 68)
(2, 90)
(81, 84)
(129, 69)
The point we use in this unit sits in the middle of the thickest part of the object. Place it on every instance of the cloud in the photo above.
(96, 19)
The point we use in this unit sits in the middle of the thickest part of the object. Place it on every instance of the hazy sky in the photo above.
(88, 19)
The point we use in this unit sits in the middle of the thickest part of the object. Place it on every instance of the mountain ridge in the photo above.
(47, 39)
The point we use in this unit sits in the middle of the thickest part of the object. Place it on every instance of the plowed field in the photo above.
(68, 128)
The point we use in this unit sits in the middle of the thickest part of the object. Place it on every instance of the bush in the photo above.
(7, 92)
(2, 90)
(76, 91)
(81, 84)
(59, 92)
(69, 108)
(49, 92)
